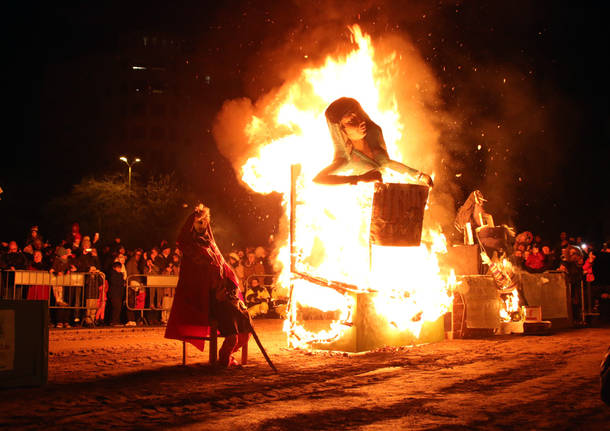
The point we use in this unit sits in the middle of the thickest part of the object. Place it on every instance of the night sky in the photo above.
(525, 76)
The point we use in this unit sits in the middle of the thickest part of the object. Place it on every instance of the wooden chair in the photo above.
(213, 347)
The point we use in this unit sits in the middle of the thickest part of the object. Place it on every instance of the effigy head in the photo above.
(347, 121)
(342, 106)
(201, 219)
(347, 115)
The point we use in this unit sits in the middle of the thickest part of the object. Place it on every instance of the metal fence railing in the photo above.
(79, 291)
(145, 292)
(85, 292)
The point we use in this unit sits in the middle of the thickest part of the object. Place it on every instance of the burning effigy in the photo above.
(359, 263)
(359, 147)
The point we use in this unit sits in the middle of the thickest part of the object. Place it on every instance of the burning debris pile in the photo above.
(346, 255)
(494, 241)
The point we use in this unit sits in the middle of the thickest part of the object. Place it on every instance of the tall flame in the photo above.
(298, 112)
(333, 222)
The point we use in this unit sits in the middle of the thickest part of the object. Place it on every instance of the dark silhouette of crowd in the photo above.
(115, 292)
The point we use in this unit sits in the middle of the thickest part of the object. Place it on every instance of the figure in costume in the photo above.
(360, 151)
(207, 291)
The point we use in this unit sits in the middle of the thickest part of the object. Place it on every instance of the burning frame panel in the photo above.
(380, 306)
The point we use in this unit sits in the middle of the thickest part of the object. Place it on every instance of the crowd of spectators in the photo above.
(119, 298)
(584, 265)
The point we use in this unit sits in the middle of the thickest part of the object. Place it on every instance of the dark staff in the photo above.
(244, 310)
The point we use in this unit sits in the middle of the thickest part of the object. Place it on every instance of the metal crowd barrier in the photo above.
(587, 305)
(157, 287)
(145, 292)
(74, 291)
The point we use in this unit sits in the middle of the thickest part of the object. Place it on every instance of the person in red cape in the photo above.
(207, 291)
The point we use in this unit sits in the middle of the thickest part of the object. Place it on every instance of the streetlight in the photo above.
(136, 160)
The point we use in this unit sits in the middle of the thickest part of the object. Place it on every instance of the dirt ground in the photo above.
(132, 378)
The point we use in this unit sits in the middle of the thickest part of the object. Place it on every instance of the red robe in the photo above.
(201, 271)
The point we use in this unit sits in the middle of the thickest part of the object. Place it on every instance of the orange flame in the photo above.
(510, 305)
(503, 273)
(333, 222)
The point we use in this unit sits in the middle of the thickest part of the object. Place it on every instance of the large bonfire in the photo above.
(330, 236)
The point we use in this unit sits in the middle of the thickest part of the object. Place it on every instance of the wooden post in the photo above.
(244, 353)
(295, 172)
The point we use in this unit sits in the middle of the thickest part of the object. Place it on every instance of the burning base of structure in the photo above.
(389, 295)
(366, 329)
(352, 259)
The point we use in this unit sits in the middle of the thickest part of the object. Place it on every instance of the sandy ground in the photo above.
(132, 378)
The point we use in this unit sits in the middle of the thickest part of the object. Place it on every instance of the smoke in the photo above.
(426, 122)
(507, 147)
(320, 33)
(473, 119)
(311, 32)
(229, 131)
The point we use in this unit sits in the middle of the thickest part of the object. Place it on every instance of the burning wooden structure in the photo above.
(397, 212)
(354, 255)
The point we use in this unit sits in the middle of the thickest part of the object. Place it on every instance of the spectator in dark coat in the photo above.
(164, 258)
(116, 291)
(35, 245)
(136, 293)
(162, 262)
(550, 259)
(13, 259)
(88, 261)
(33, 235)
(151, 266)
(573, 267)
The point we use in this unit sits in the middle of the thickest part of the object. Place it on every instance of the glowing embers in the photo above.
(503, 274)
(311, 308)
(358, 325)
(411, 287)
(399, 297)
(511, 310)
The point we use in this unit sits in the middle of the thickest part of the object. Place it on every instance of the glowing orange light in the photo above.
(333, 222)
